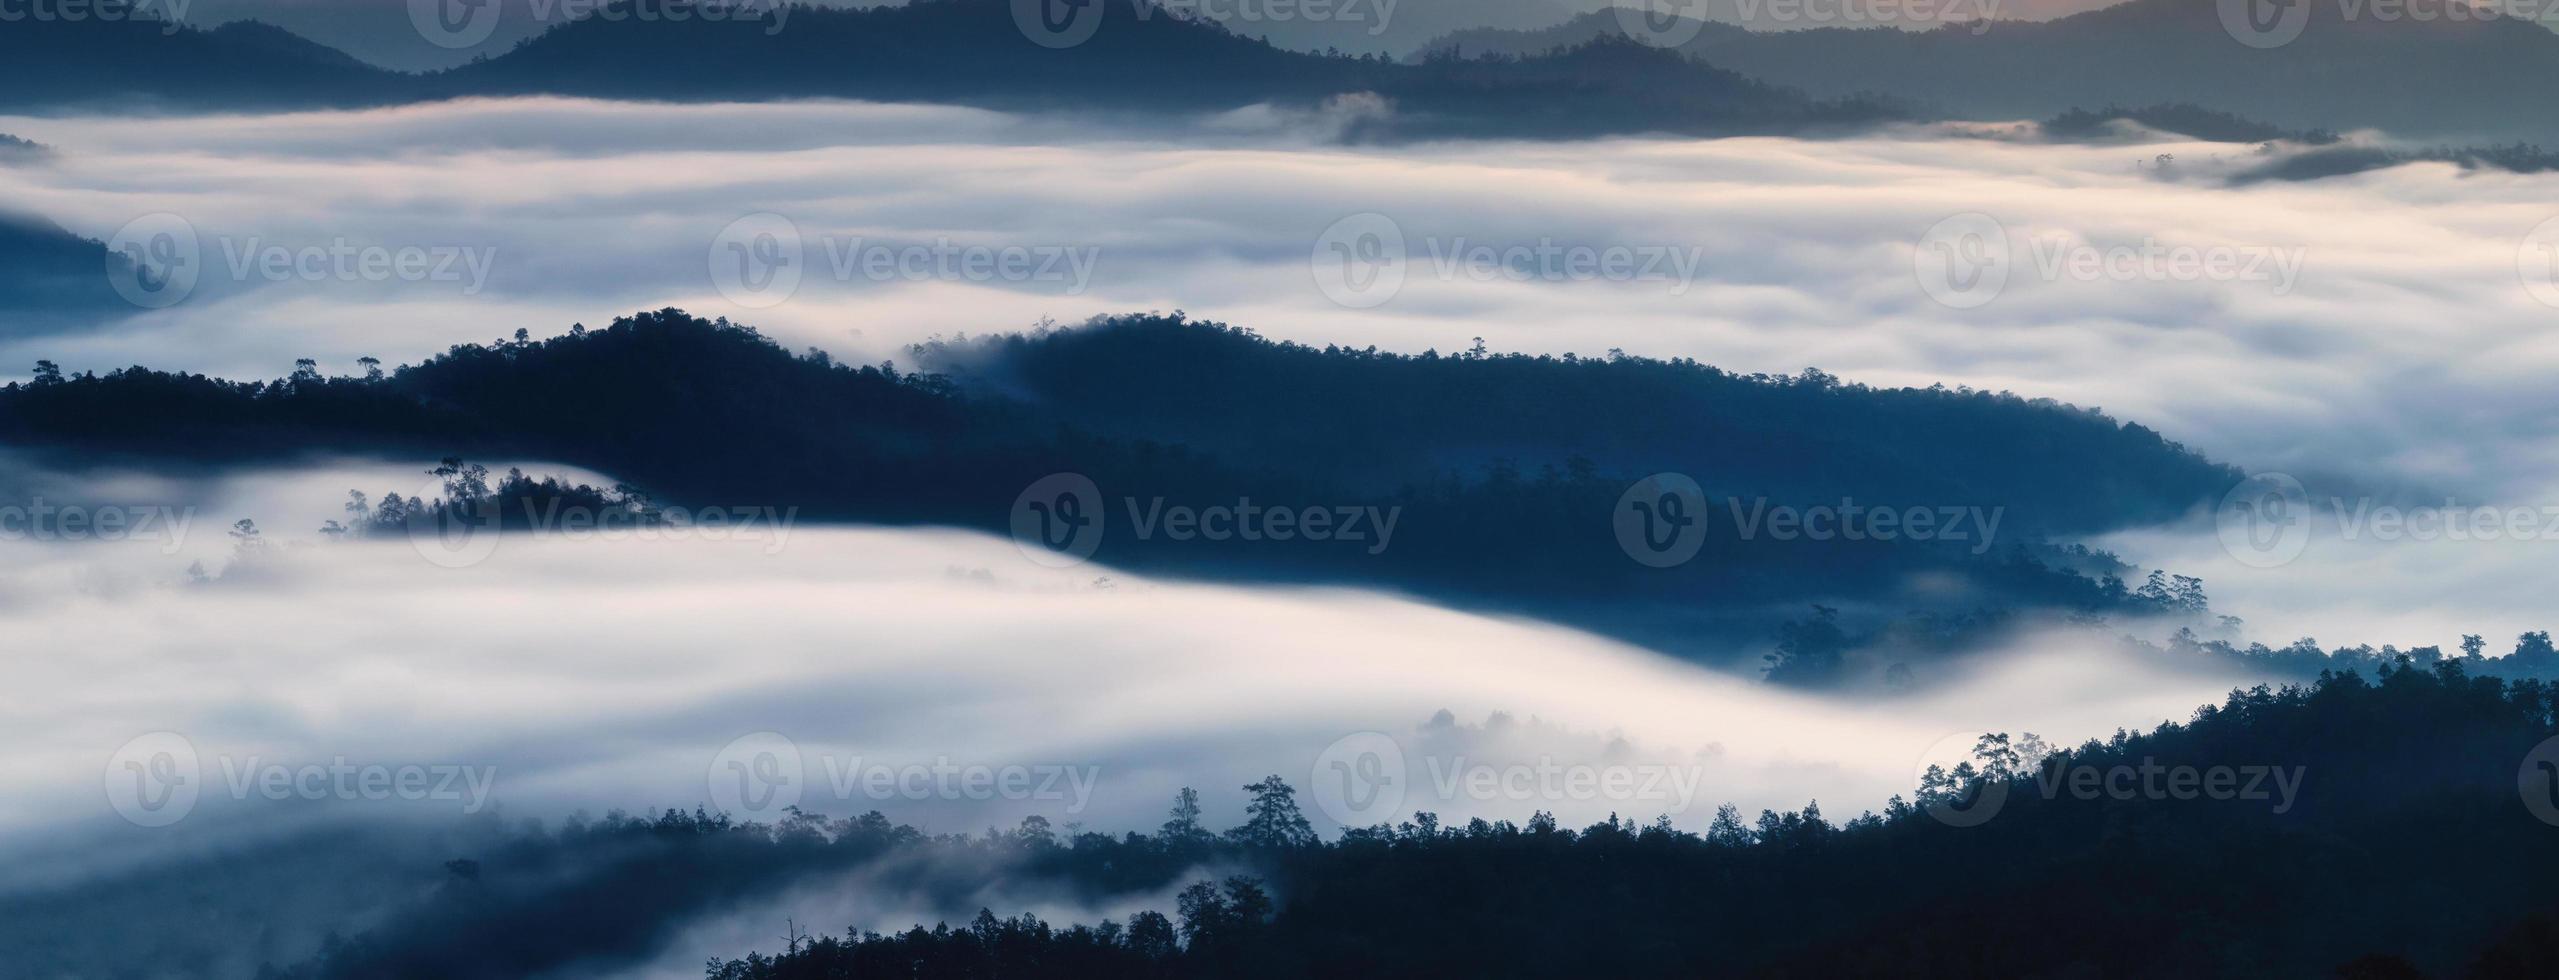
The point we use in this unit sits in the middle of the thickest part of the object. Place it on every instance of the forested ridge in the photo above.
(2397, 843)
(1502, 469)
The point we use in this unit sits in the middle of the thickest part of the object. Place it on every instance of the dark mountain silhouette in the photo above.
(2416, 76)
(53, 277)
(125, 63)
(972, 52)
(1379, 419)
(1499, 503)
(1140, 57)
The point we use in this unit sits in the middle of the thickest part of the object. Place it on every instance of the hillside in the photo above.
(1499, 475)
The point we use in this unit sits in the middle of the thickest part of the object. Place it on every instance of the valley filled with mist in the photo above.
(861, 490)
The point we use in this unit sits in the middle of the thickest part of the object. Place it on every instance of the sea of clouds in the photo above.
(2390, 348)
(2384, 337)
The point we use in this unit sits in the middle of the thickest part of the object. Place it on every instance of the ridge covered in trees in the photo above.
(1503, 470)
(2392, 839)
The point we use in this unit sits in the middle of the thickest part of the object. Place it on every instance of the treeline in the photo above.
(1388, 418)
(1503, 471)
(2394, 839)
(2339, 161)
(2406, 853)
(2184, 118)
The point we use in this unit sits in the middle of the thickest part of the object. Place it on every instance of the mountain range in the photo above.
(1140, 57)
(2346, 69)
(2341, 66)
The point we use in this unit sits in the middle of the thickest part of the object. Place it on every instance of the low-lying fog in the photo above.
(562, 672)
